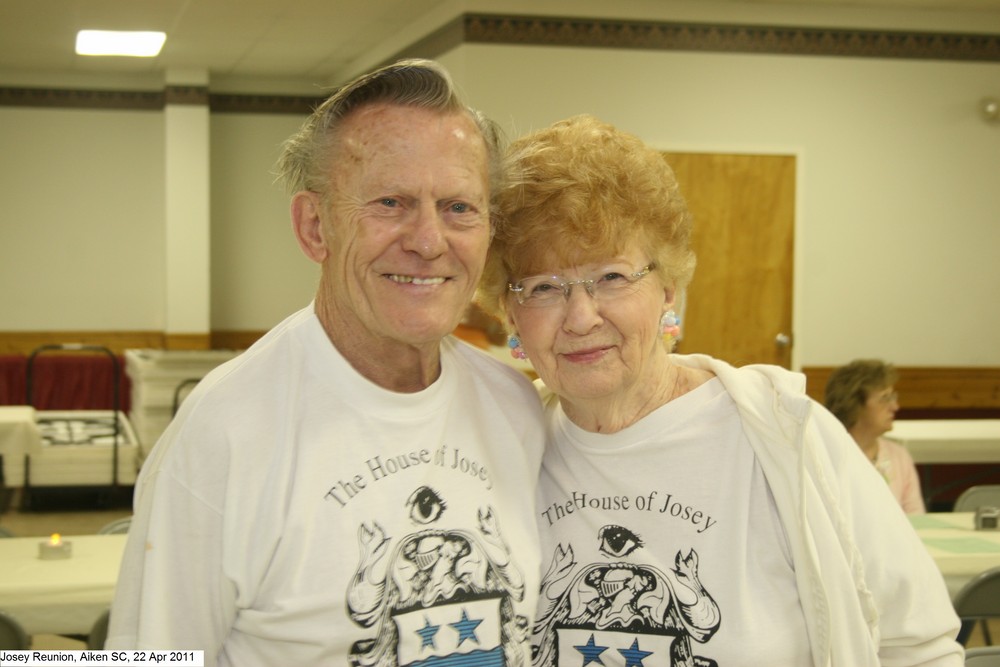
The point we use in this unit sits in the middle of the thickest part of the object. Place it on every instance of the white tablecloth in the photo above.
(960, 551)
(63, 465)
(949, 440)
(62, 597)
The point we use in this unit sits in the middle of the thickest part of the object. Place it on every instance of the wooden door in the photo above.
(739, 305)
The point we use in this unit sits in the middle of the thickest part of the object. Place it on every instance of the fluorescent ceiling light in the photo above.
(119, 43)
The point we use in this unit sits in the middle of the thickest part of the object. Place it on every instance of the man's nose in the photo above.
(425, 233)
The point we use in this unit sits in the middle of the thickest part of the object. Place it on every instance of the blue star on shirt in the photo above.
(427, 633)
(633, 656)
(591, 652)
(466, 628)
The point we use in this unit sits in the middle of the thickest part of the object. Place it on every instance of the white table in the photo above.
(960, 551)
(949, 440)
(938, 444)
(59, 597)
(64, 465)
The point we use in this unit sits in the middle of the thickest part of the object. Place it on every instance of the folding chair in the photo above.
(979, 600)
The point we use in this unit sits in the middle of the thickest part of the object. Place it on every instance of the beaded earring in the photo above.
(670, 325)
(516, 351)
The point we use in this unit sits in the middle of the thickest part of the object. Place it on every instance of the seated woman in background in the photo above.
(862, 395)
(695, 513)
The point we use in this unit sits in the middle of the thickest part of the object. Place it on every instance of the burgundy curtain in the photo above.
(62, 381)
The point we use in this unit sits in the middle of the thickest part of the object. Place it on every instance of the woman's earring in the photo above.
(670, 325)
(516, 351)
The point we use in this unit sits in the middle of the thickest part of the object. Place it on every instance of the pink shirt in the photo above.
(899, 470)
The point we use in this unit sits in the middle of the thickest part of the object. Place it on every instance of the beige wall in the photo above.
(898, 213)
(898, 232)
(259, 275)
(81, 219)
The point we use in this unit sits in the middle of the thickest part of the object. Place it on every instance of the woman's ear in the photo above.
(669, 297)
(308, 225)
(511, 324)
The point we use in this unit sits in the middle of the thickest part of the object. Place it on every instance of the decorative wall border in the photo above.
(562, 32)
(186, 95)
(82, 99)
(728, 38)
(155, 101)
(273, 104)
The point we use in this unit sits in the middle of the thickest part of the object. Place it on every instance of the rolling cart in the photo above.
(79, 457)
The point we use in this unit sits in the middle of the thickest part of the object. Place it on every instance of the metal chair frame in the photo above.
(12, 635)
(978, 496)
(982, 656)
(979, 599)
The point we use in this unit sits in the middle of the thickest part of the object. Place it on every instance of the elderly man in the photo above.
(352, 487)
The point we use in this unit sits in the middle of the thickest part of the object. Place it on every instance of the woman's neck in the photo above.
(610, 414)
(868, 442)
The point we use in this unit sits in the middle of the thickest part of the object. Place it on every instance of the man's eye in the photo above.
(389, 202)
(617, 541)
(425, 505)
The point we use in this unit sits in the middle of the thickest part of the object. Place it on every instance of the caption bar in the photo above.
(92, 658)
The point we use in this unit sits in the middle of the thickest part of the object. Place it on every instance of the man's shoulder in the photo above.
(486, 367)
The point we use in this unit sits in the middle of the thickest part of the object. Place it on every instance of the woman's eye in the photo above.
(544, 289)
(617, 541)
(425, 505)
(613, 277)
(460, 207)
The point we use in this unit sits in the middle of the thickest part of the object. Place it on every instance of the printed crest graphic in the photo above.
(437, 596)
(621, 613)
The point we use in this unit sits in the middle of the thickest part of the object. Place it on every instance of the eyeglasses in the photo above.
(888, 397)
(608, 283)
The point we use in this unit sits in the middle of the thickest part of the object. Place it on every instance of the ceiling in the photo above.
(315, 40)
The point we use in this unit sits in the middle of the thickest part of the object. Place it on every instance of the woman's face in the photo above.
(585, 347)
(879, 411)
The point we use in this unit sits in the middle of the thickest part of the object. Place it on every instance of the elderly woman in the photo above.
(862, 395)
(695, 513)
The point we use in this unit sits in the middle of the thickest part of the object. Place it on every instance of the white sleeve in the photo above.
(917, 624)
(171, 592)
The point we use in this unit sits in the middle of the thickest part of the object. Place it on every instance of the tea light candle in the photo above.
(54, 548)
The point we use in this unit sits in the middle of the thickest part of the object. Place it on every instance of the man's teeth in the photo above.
(416, 281)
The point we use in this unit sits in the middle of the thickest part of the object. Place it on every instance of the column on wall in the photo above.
(188, 298)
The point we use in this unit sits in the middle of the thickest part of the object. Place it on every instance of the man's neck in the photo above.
(388, 363)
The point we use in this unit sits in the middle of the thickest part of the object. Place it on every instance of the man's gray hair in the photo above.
(307, 156)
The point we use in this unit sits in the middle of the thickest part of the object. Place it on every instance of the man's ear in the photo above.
(308, 225)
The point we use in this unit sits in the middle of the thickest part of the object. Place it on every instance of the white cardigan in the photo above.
(870, 592)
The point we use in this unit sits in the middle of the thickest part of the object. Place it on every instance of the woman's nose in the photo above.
(582, 311)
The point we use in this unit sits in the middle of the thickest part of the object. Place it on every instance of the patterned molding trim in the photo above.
(155, 101)
(784, 40)
(274, 104)
(81, 99)
(562, 31)
(190, 95)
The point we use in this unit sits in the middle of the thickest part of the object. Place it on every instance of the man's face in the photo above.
(408, 224)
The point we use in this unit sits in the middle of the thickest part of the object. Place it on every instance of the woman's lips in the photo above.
(587, 355)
